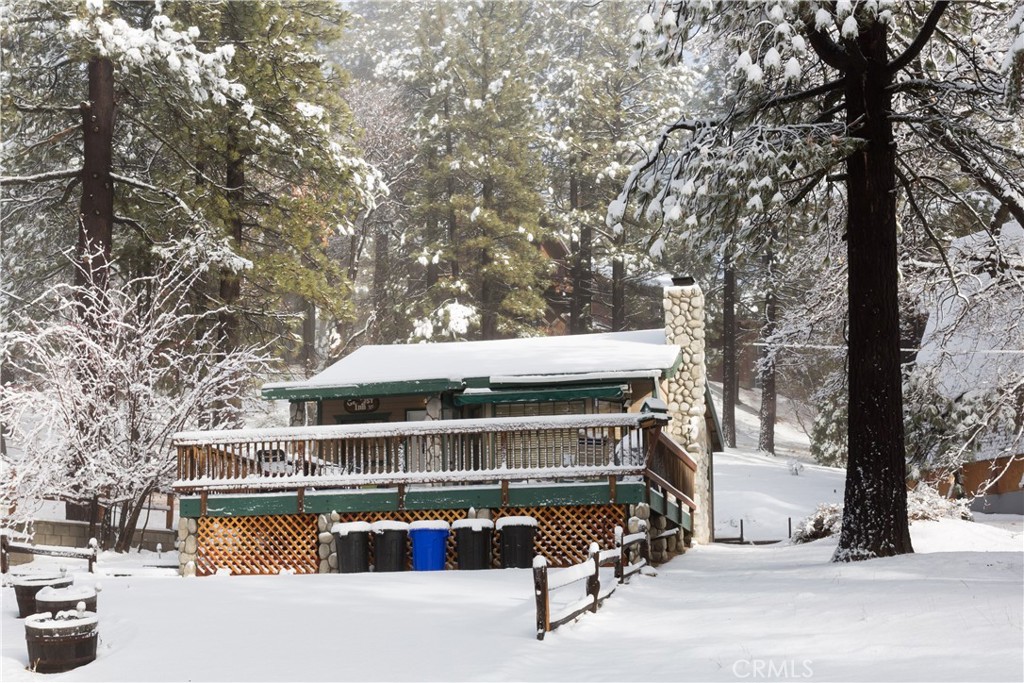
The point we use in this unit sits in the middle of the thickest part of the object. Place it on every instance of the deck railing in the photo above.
(572, 447)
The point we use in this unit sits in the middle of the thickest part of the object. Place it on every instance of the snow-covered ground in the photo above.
(952, 612)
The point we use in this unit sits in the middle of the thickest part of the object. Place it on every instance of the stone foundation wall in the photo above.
(187, 545)
(325, 543)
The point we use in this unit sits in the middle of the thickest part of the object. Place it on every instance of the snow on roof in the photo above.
(975, 339)
(583, 357)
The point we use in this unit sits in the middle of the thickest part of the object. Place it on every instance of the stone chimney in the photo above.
(684, 393)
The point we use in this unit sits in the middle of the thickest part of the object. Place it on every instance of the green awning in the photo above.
(609, 392)
(300, 392)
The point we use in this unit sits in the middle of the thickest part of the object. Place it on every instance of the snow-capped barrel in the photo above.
(61, 641)
(517, 535)
(52, 599)
(26, 588)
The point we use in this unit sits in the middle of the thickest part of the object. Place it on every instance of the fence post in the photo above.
(540, 587)
(594, 581)
(619, 571)
(4, 561)
(93, 547)
(645, 548)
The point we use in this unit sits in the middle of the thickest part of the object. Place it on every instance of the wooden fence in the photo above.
(589, 571)
(8, 546)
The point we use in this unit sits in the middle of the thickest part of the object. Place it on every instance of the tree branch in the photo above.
(928, 231)
(40, 177)
(830, 52)
(922, 38)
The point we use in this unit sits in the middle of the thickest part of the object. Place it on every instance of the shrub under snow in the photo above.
(827, 520)
(923, 503)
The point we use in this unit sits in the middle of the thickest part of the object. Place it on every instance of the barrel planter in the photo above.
(54, 600)
(62, 642)
(25, 590)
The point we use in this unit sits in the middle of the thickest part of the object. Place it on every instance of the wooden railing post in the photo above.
(540, 586)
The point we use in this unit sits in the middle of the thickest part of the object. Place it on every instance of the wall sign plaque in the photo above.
(361, 405)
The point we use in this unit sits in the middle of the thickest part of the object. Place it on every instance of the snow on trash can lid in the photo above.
(515, 521)
(474, 524)
(382, 525)
(346, 528)
(431, 524)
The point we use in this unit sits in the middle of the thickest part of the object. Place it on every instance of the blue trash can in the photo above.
(429, 544)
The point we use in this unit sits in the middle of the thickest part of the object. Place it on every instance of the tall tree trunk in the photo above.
(96, 210)
(769, 399)
(730, 381)
(231, 282)
(875, 514)
(381, 268)
(309, 355)
(488, 307)
(580, 318)
(453, 234)
(618, 293)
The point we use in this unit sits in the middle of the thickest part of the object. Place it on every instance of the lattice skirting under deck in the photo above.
(270, 544)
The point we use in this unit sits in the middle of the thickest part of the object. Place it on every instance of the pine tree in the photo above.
(476, 195)
(861, 78)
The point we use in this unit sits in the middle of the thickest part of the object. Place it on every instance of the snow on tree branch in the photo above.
(103, 382)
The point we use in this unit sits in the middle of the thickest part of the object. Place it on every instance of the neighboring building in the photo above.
(573, 430)
(973, 347)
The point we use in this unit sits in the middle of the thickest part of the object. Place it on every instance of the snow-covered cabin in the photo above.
(972, 350)
(576, 431)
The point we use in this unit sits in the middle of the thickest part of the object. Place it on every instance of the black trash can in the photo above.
(517, 541)
(389, 543)
(473, 542)
(352, 543)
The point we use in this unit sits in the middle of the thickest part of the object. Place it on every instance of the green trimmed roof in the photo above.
(586, 360)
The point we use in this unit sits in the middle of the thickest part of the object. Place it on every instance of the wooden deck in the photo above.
(405, 455)
(256, 495)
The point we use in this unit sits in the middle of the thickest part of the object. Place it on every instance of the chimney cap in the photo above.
(683, 281)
